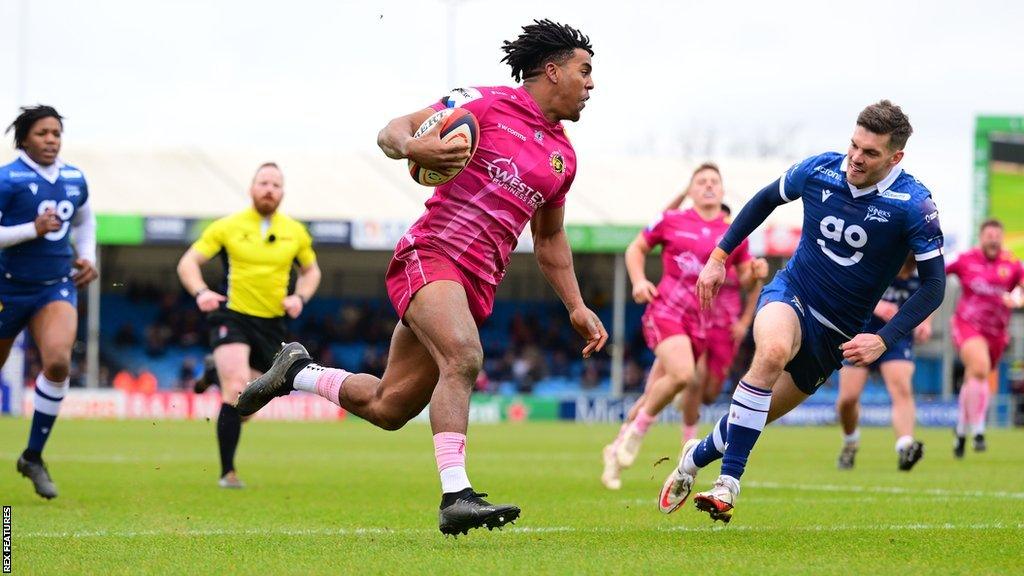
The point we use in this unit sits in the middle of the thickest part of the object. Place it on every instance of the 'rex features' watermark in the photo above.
(7, 540)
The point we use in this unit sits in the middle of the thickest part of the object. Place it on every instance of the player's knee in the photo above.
(465, 364)
(392, 420)
(57, 369)
(682, 376)
(773, 356)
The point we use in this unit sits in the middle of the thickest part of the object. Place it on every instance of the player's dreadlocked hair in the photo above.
(541, 42)
(29, 115)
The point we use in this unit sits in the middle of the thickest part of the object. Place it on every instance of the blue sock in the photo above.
(46, 404)
(713, 445)
(747, 417)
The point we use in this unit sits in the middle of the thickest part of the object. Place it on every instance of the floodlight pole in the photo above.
(92, 320)
(618, 325)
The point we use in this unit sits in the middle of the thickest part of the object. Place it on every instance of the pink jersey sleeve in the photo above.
(559, 199)
(654, 234)
(472, 99)
(953, 266)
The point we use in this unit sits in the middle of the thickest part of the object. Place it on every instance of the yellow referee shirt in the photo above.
(259, 261)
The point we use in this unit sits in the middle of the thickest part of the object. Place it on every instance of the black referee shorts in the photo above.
(263, 335)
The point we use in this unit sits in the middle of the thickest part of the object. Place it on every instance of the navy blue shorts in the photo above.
(819, 354)
(19, 301)
(903, 350)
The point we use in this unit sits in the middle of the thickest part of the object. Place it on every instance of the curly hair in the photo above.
(542, 42)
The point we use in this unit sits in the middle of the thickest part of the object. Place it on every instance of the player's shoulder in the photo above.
(459, 97)
(70, 172)
(826, 165)
(823, 170)
(16, 170)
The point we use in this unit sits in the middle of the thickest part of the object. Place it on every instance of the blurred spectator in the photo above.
(187, 374)
(126, 335)
(146, 382)
(633, 377)
(124, 381)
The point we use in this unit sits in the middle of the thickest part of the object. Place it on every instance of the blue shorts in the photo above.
(819, 354)
(903, 350)
(19, 301)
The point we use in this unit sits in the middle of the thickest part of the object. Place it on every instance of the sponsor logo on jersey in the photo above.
(505, 173)
(853, 236)
(17, 174)
(71, 190)
(33, 187)
(557, 162)
(829, 173)
(460, 96)
(70, 174)
(512, 131)
(796, 302)
(825, 194)
(538, 136)
(877, 215)
(903, 196)
(931, 216)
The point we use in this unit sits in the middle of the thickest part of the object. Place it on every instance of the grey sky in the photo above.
(704, 78)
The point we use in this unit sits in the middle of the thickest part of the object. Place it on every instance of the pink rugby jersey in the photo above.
(984, 282)
(523, 162)
(687, 241)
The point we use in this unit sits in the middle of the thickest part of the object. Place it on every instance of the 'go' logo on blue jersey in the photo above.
(854, 236)
(64, 210)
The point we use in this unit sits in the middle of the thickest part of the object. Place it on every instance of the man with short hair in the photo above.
(862, 214)
(248, 324)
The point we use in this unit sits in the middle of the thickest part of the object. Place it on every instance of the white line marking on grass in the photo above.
(849, 528)
(885, 490)
(515, 530)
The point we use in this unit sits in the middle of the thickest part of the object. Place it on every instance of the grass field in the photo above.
(140, 497)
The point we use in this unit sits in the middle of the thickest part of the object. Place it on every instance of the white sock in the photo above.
(731, 483)
(904, 442)
(453, 479)
(978, 429)
(306, 379)
(688, 465)
(852, 437)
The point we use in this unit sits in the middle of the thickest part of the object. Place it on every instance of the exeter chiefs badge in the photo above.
(556, 162)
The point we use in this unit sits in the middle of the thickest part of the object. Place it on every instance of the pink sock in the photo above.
(450, 453)
(622, 432)
(329, 383)
(981, 396)
(643, 421)
(965, 402)
(689, 432)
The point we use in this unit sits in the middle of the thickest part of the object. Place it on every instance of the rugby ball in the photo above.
(457, 125)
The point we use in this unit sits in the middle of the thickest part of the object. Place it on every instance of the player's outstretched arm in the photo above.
(554, 257)
(396, 141)
(83, 226)
(750, 217)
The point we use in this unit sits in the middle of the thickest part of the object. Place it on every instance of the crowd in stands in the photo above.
(525, 343)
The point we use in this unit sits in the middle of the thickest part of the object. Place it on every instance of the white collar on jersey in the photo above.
(49, 173)
(882, 186)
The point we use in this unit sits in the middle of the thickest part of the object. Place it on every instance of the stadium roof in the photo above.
(320, 185)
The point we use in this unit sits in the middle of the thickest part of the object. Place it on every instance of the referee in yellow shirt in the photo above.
(248, 325)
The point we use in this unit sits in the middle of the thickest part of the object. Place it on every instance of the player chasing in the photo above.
(248, 324)
(674, 326)
(43, 201)
(447, 266)
(896, 366)
(989, 277)
(862, 215)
